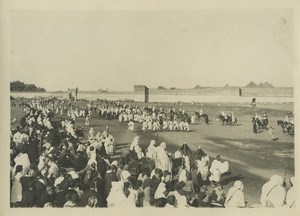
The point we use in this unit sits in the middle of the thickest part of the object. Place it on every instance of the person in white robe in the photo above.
(151, 150)
(187, 162)
(149, 125)
(109, 145)
(160, 191)
(130, 201)
(202, 166)
(23, 160)
(223, 113)
(135, 142)
(182, 173)
(235, 196)
(120, 117)
(181, 200)
(53, 168)
(186, 126)
(163, 161)
(125, 117)
(217, 169)
(91, 133)
(170, 125)
(271, 133)
(139, 151)
(178, 154)
(131, 126)
(17, 138)
(144, 126)
(286, 119)
(291, 194)
(16, 191)
(155, 126)
(175, 125)
(125, 174)
(116, 196)
(181, 125)
(273, 193)
(165, 125)
(193, 117)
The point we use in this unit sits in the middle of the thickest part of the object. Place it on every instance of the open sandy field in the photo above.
(252, 157)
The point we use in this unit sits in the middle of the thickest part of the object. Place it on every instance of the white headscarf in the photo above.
(116, 196)
(273, 193)
(235, 196)
(134, 143)
(151, 150)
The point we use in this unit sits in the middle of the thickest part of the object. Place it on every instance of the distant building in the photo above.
(161, 88)
(142, 89)
(72, 94)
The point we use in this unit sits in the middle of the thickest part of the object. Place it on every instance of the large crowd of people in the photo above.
(51, 166)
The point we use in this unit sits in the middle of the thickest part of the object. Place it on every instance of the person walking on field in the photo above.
(271, 133)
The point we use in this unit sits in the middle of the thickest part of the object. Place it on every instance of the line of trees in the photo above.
(21, 86)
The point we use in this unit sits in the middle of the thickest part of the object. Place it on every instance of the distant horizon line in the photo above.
(166, 88)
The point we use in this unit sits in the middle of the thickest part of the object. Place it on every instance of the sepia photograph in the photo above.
(131, 106)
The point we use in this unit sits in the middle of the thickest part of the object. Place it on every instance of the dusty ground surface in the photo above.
(252, 157)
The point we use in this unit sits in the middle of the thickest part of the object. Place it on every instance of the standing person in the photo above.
(235, 196)
(271, 133)
(87, 120)
(253, 102)
(16, 191)
(163, 161)
(151, 150)
(234, 122)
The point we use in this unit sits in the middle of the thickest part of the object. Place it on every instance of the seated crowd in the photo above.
(52, 167)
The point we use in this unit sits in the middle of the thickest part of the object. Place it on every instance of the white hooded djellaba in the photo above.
(235, 196)
(217, 169)
(273, 192)
(163, 161)
(151, 150)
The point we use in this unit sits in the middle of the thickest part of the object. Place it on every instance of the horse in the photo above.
(265, 122)
(261, 124)
(224, 120)
(205, 116)
(281, 124)
(288, 127)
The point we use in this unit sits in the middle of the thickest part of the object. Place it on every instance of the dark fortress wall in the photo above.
(229, 91)
(200, 91)
(142, 90)
(268, 92)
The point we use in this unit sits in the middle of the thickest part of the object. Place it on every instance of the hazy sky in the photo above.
(182, 48)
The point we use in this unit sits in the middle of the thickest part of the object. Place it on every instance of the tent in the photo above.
(185, 148)
(199, 152)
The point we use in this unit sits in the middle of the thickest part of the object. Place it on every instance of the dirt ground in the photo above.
(253, 158)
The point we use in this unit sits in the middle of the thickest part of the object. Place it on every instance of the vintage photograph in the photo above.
(157, 108)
